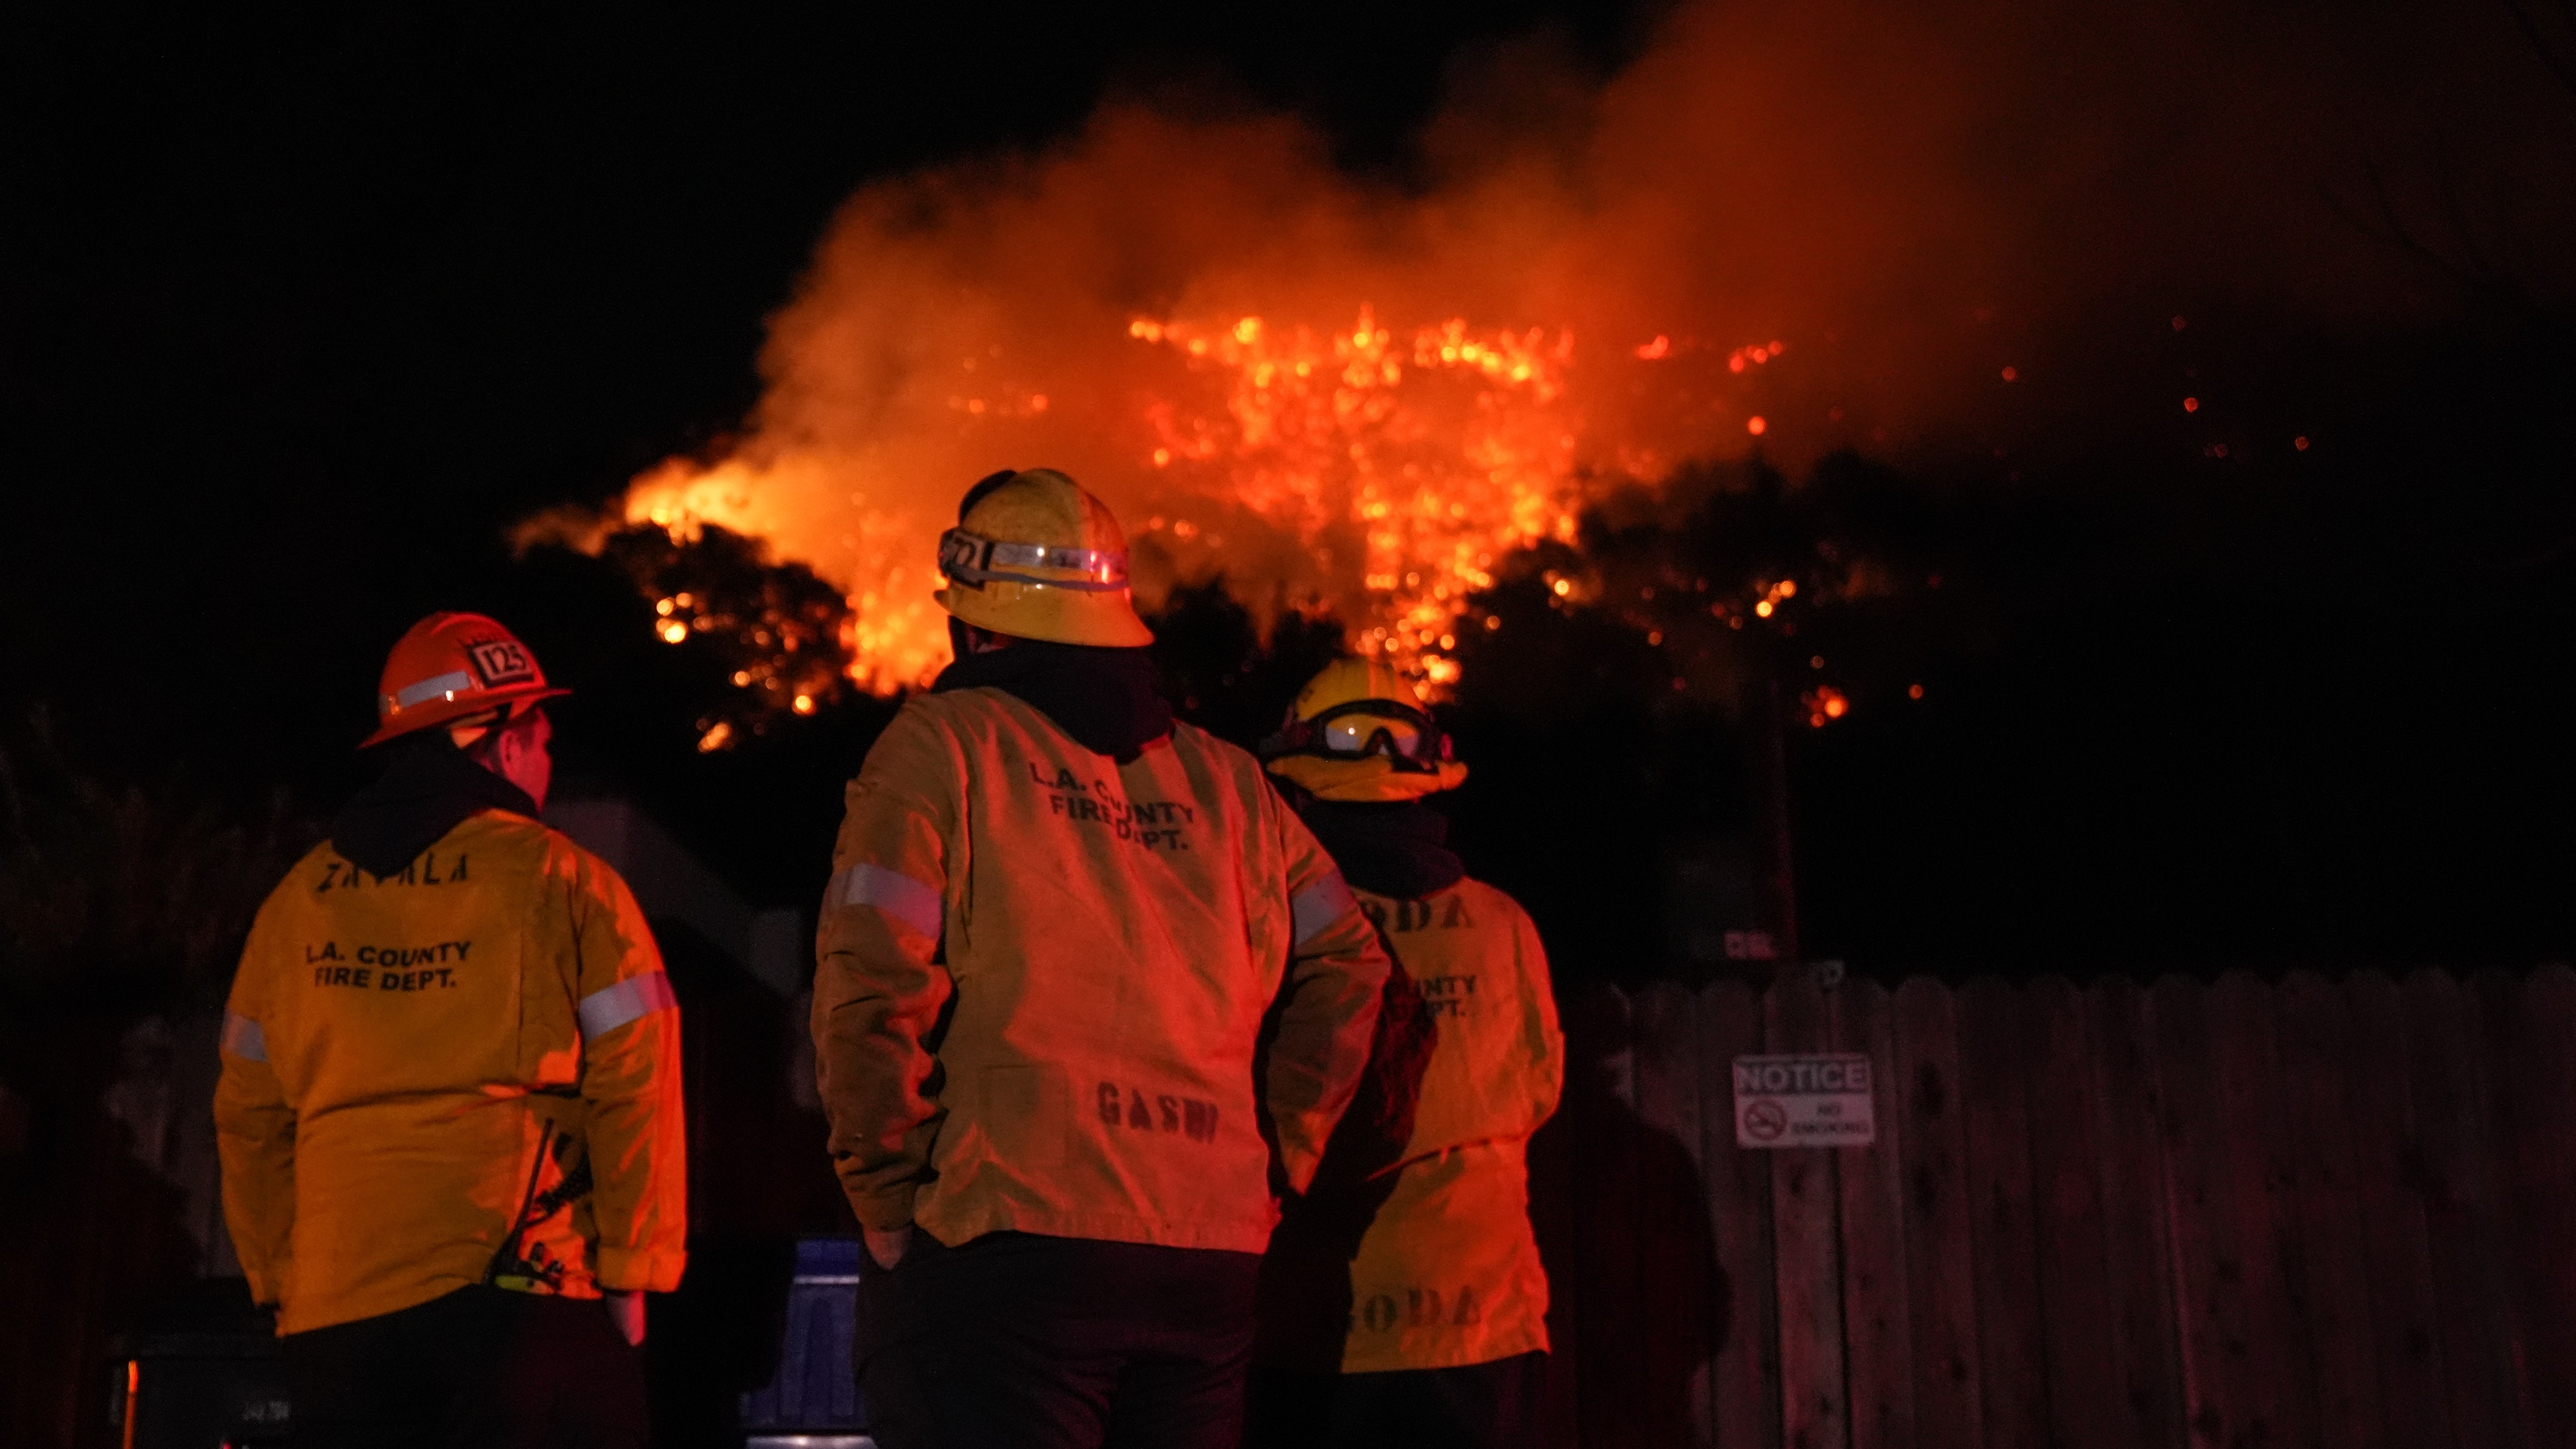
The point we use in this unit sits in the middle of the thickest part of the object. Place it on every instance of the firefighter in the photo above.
(1403, 1302)
(449, 1113)
(1087, 994)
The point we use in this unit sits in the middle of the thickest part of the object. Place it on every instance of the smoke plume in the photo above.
(1788, 227)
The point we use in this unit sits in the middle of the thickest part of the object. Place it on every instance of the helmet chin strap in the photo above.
(966, 639)
(469, 732)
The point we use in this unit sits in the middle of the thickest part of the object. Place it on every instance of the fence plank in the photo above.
(2470, 1297)
(2136, 1244)
(1813, 1387)
(1675, 1264)
(2530, 1046)
(1744, 1376)
(1877, 1324)
(2084, 1401)
(2208, 1306)
(1993, 1038)
(2315, 1033)
(2281, 1383)
(2388, 1177)
(1941, 1265)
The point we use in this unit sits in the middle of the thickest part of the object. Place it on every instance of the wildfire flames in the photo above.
(1443, 449)
(1401, 465)
(1359, 395)
(1348, 397)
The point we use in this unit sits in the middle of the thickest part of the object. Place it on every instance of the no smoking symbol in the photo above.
(1765, 1120)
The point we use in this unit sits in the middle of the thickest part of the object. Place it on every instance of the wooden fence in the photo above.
(2248, 1214)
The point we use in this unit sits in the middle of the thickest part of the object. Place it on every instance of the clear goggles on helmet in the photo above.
(1364, 727)
(976, 561)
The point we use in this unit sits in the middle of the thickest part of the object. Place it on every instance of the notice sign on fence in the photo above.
(1804, 1101)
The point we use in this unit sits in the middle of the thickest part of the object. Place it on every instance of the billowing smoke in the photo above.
(1791, 227)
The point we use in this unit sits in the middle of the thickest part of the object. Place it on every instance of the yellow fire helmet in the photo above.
(1359, 731)
(1036, 556)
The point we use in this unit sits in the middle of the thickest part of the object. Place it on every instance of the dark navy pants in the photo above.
(1482, 1406)
(480, 1368)
(1033, 1342)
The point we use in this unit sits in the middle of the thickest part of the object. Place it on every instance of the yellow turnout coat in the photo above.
(1043, 978)
(1447, 1271)
(466, 1071)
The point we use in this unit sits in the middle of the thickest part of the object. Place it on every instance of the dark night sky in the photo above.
(296, 318)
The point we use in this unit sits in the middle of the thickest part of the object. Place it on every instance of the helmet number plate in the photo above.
(501, 662)
(962, 556)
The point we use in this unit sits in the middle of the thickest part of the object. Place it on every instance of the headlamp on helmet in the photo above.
(975, 562)
(1034, 556)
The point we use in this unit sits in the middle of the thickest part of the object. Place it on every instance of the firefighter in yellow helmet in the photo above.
(1056, 927)
(1403, 1301)
(449, 1114)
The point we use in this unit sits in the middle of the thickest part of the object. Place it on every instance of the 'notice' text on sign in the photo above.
(1804, 1101)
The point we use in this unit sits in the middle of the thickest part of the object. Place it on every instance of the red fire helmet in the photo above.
(450, 667)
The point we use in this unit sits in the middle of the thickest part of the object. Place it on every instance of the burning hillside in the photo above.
(1342, 396)
(1377, 473)
(1339, 399)
(1370, 442)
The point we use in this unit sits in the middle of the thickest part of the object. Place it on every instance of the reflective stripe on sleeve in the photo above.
(896, 894)
(1318, 906)
(606, 1010)
(243, 1038)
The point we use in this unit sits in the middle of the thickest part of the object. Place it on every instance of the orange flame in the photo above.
(1752, 174)
(1400, 464)
(1339, 400)
(1443, 447)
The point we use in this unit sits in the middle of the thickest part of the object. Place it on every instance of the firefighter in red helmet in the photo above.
(449, 1113)
(1087, 991)
(1403, 1302)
